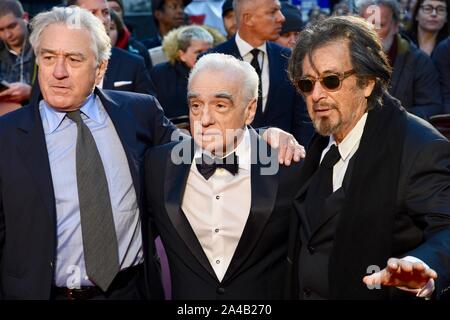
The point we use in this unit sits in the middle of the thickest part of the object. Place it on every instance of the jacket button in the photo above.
(220, 290)
(311, 249)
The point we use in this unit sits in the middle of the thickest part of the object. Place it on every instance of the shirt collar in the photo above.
(351, 140)
(245, 48)
(242, 151)
(54, 118)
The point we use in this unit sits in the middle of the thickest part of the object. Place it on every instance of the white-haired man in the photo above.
(223, 212)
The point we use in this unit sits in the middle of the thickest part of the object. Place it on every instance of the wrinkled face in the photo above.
(288, 39)
(334, 112)
(217, 112)
(432, 15)
(114, 5)
(68, 69)
(189, 57)
(12, 30)
(229, 22)
(172, 13)
(385, 25)
(98, 8)
(266, 19)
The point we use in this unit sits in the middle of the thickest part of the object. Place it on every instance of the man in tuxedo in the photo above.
(126, 71)
(71, 222)
(373, 211)
(223, 211)
(259, 22)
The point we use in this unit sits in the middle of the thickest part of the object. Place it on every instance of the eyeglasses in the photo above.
(429, 9)
(330, 81)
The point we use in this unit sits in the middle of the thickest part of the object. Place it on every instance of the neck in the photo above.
(164, 29)
(250, 38)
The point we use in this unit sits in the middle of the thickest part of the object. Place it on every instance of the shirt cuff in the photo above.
(427, 290)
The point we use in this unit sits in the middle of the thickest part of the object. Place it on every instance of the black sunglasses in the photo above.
(330, 81)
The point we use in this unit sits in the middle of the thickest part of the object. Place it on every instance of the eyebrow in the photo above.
(219, 95)
(70, 53)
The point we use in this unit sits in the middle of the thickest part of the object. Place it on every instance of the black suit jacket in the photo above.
(129, 69)
(285, 108)
(397, 203)
(27, 203)
(258, 266)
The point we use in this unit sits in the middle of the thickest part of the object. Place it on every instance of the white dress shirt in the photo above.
(244, 49)
(347, 148)
(218, 208)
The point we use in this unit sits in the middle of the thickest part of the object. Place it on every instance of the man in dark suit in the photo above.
(225, 230)
(58, 163)
(381, 193)
(259, 22)
(126, 71)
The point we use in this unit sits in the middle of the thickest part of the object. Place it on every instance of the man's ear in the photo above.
(247, 20)
(158, 14)
(100, 72)
(369, 85)
(250, 111)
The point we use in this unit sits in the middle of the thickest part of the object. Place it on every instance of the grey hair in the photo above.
(189, 33)
(74, 18)
(220, 62)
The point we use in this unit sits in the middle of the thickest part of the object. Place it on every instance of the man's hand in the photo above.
(402, 273)
(17, 92)
(288, 148)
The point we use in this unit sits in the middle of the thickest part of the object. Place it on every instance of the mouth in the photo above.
(323, 111)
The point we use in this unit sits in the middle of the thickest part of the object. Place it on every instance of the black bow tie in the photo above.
(207, 165)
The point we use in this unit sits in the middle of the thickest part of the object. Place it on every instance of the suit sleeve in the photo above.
(441, 59)
(427, 199)
(302, 127)
(427, 93)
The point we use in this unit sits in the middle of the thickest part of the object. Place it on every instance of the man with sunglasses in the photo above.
(375, 185)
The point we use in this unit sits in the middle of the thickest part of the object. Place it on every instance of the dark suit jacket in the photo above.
(27, 203)
(127, 67)
(397, 203)
(441, 59)
(285, 109)
(258, 266)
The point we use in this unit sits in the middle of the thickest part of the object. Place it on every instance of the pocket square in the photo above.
(121, 83)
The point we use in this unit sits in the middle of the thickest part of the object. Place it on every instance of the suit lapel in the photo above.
(175, 184)
(264, 192)
(33, 148)
(111, 72)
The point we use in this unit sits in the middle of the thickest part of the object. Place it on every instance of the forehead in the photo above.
(58, 37)
(7, 19)
(207, 83)
(434, 3)
(331, 57)
(93, 4)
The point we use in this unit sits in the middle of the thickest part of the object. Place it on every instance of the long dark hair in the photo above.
(445, 30)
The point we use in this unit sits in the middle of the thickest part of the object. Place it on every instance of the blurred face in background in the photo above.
(98, 8)
(266, 20)
(189, 57)
(385, 25)
(172, 13)
(288, 39)
(113, 33)
(432, 15)
(13, 30)
(229, 22)
(114, 5)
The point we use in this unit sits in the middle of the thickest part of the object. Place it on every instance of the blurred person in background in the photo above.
(291, 26)
(429, 24)
(182, 47)
(414, 78)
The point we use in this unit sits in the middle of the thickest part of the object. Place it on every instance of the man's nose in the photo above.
(60, 70)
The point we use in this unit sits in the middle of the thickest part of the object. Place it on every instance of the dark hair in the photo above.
(11, 6)
(71, 3)
(120, 25)
(366, 53)
(445, 30)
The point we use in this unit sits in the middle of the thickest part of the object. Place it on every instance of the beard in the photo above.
(326, 126)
